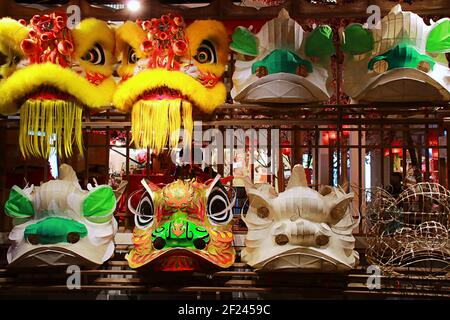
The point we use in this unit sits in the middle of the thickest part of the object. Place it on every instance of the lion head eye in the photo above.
(96, 55)
(206, 53)
(132, 56)
(218, 207)
(144, 216)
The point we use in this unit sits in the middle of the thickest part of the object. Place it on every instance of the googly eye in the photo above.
(132, 57)
(144, 212)
(144, 217)
(95, 56)
(206, 53)
(219, 206)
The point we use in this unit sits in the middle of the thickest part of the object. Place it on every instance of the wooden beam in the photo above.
(227, 10)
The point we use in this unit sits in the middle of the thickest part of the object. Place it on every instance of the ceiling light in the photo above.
(133, 5)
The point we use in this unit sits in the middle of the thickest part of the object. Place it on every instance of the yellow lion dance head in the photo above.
(166, 70)
(50, 73)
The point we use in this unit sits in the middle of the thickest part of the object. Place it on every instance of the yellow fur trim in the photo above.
(157, 122)
(42, 123)
(27, 80)
(205, 99)
(215, 32)
(11, 35)
(129, 34)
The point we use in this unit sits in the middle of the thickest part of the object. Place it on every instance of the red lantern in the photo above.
(433, 139)
(286, 150)
(435, 153)
(325, 138)
(332, 135)
(345, 133)
(395, 151)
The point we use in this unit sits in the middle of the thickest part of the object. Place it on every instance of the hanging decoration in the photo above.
(62, 71)
(300, 228)
(402, 60)
(60, 224)
(186, 225)
(282, 63)
(167, 71)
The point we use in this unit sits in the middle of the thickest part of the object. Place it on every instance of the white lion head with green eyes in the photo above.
(282, 63)
(58, 223)
(402, 61)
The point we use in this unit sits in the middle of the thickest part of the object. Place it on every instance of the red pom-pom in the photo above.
(165, 19)
(147, 25)
(28, 46)
(155, 22)
(163, 36)
(179, 47)
(147, 45)
(36, 19)
(174, 29)
(60, 24)
(178, 20)
(65, 47)
(46, 36)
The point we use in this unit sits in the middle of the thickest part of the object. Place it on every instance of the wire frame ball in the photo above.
(411, 230)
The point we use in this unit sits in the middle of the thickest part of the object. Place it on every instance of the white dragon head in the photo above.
(299, 228)
(282, 63)
(60, 224)
(402, 60)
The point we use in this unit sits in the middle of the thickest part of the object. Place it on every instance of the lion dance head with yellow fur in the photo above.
(50, 74)
(167, 70)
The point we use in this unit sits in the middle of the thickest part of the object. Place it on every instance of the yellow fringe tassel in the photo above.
(49, 123)
(156, 123)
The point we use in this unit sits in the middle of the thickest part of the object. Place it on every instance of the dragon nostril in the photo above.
(261, 72)
(33, 239)
(159, 243)
(199, 244)
(73, 237)
(281, 239)
(322, 240)
(302, 71)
